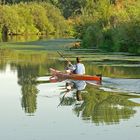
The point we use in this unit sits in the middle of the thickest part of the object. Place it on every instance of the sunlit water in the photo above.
(41, 116)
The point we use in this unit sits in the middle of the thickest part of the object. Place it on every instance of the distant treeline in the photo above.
(112, 25)
(32, 18)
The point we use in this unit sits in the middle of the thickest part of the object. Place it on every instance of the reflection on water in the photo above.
(101, 107)
(75, 87)
(27, 80)
(88, 101)
(115, 71)
(104, 107)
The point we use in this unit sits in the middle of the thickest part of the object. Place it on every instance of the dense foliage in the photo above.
(31, 18)
(112, 25)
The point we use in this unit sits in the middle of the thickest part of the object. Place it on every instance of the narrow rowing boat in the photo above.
(63, 75)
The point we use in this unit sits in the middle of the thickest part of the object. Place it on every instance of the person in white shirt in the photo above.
(78, 68)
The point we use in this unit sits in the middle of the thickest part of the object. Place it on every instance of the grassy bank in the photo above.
(52, 44)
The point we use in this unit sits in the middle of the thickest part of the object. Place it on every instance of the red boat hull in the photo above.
(63, 75)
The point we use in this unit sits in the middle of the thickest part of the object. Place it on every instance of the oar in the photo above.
(64, 58)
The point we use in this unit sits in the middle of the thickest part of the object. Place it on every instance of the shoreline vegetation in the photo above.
(111, 26)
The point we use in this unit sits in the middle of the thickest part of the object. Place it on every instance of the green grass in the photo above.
(53, 44)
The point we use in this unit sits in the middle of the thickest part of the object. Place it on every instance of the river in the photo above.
(34, 108)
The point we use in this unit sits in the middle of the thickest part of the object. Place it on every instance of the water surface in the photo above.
(34, 108)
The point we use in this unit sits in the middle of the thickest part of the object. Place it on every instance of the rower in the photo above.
(78, 68)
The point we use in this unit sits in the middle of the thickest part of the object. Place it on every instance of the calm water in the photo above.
(33, 108)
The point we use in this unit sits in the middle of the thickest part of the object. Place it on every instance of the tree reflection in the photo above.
(103, 107)
(27, 75)
(3, 61)
(114, 71)
(29, 66)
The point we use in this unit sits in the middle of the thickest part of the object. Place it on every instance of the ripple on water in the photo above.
(121, 85)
